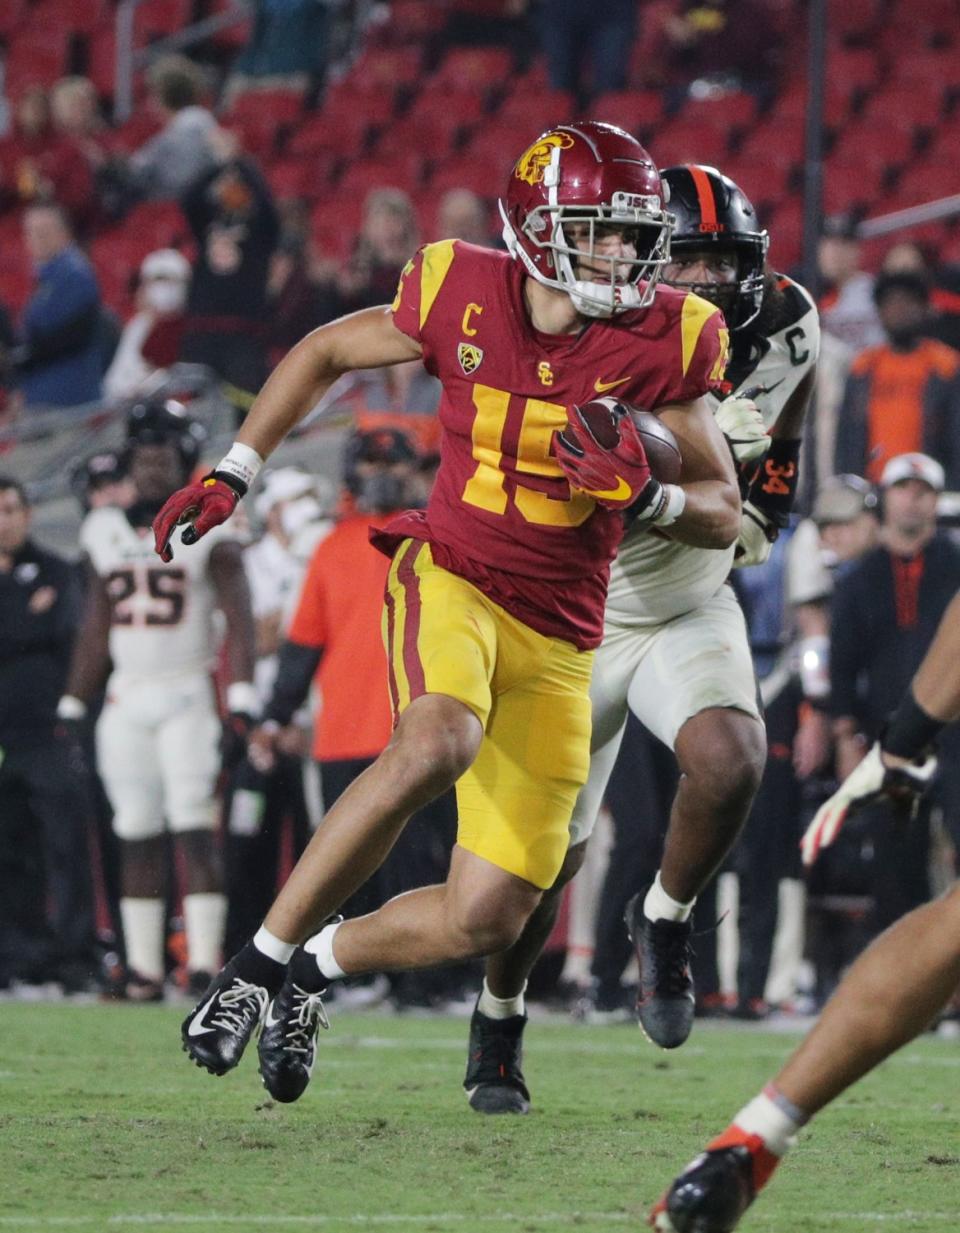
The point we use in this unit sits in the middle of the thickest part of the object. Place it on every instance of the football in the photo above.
(603, 417)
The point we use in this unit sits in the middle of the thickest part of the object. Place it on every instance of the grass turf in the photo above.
(104, 1125)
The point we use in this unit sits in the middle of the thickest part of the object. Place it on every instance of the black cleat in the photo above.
(494, 1081)
(665, 1001)
(288, 1042)
(217, 1030)
(710, 1195)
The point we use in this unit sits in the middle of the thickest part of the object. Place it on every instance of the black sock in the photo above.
(305, 972)
(260, 969)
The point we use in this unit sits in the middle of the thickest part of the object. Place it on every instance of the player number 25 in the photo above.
(487, 488)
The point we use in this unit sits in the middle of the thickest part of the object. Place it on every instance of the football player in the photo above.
(675, 648)
(495, 594)
(158, 736)
(900, 982)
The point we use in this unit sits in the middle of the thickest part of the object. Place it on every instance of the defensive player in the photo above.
(675, 648)
(158, 736)
(496, 591)
(886, 999)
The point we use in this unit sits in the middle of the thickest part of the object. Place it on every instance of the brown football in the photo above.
(660, 445)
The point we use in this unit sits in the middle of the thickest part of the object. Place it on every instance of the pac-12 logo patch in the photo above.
(470, 357)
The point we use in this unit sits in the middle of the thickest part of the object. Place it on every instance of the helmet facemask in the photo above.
(620, 282)
(739, 300)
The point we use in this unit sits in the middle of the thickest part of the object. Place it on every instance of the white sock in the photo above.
(204, 919)
(500, 1008)
(145, 933)
(658, 905)
(321, 947)
(275, 948)
(774, 1118)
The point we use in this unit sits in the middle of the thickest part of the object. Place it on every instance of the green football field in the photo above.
(104, 1125)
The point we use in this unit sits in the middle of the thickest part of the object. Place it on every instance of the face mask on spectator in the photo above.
(165, 296)
(295, 515)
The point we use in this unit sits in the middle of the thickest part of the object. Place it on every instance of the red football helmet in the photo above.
(575, 185)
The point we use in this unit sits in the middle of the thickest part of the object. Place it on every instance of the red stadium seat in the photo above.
(392, 67)
(404, 172)
(851, 19)
(278, 106)
(792, 102)
(102, 61)
(466, 172)
(155, 18)
(927, 180)
(37, 57)
(536, 109)
(434, 133)
(411, 21)
(766, 184)
(729, 111)
(11, 13)
(875, 147)
(695, 141)
(778, 142)
(72, 16)
(305, 177)
(850, 186)
(916, 104)
(156, 224)
(634, 110)
(474, 68)
(786, 236)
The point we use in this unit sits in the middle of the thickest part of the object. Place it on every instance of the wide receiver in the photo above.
(675, 648)
(495, 595)
(886, 999)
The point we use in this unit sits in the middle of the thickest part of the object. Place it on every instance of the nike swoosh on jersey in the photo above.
(602, 386)
(197, 1026)
(620, 493)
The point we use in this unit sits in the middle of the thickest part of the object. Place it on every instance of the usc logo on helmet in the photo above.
(534, 162)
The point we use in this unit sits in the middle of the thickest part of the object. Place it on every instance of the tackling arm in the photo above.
(711, 513)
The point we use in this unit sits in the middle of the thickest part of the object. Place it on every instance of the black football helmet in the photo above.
(710, 210)
(158, 420)
(378, 445)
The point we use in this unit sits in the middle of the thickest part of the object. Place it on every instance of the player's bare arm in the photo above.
(366, 339)
(711, 515)
(90, 662)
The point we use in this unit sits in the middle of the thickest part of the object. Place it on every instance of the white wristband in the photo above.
(676, 500)
(243, 698)
(70, 708)
(242, 462)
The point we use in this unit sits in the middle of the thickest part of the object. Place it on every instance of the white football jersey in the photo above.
(654, 579)
(163, 616)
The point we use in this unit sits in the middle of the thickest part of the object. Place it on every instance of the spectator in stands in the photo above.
(903, 395)
(722, 44)
(234, 222)
(288, 49)
(943, 323)
(75, 110)
(587, 46)
(59, 361)
(44, 812)
(462, 215)
(39, 164)
(171, 163)
(884, 614)
(151, 338)
(386, 241)
(9, 400)
(847, 308)
(292, 293)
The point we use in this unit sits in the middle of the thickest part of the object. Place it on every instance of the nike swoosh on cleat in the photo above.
(620, 493)
(197, 1027)
(602, 386)
(269, 1021)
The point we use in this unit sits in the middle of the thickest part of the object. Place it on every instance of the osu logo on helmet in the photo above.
(534, 162)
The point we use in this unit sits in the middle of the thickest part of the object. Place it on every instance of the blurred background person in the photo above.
(387, 239)
(462, 215)
(38, 163)
(847, 307)
(59, 359)
(172, 161)
(903, 395)
(159, 734)
(232, 215)
(587, 47)
(151, 338)
(46, 892)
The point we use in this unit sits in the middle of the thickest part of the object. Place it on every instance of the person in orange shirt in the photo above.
(334, 641)
(903, 396)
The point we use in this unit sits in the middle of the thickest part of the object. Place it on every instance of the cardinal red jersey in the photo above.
(501, 513)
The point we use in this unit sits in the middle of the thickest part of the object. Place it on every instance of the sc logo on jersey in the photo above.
(470, 357)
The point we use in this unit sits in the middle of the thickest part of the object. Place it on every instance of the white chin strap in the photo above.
(585, 298)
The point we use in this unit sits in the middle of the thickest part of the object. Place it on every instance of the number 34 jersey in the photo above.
(501, 513)
(161, 615)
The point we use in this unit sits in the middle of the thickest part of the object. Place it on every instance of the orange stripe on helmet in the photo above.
(706, 199)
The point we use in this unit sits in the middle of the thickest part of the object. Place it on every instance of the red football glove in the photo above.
(613, 477)
(202, 506)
